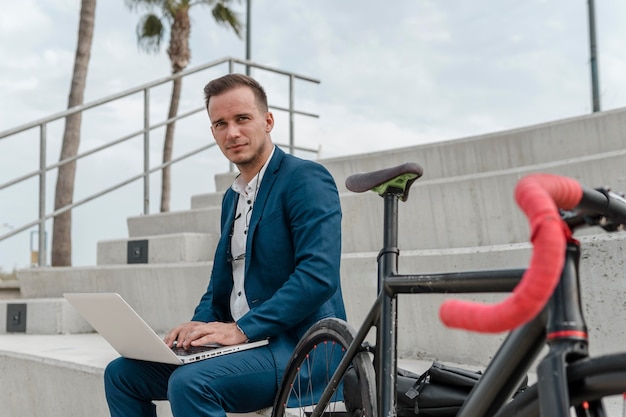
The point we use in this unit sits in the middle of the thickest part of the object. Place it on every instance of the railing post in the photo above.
(41, 244)
(291, 121)
(146, 151)
(231, 69)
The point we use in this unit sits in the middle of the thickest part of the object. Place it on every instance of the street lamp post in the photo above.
(595, 94)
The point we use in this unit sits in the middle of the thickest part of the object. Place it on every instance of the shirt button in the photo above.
(239, 293)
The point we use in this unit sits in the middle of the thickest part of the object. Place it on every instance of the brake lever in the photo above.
(576, 219)
(612, 224)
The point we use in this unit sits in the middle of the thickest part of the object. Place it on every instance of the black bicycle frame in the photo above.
(561, 323)
(390, 283)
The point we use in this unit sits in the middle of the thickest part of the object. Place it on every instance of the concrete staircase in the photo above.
(460, 216)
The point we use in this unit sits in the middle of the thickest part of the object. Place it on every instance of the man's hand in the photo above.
(195, 333)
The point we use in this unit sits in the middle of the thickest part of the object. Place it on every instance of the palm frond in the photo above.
(150, 31)
(172, 7)
(226, 17)
(144, 4)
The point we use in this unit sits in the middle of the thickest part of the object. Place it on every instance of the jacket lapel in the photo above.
(271, 173)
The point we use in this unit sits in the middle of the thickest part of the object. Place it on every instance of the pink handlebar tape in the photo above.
(539, 196)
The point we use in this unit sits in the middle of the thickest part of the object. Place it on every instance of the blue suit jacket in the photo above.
(293, 253)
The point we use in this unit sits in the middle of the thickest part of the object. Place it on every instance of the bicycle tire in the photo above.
(321, 341)
(590, 382)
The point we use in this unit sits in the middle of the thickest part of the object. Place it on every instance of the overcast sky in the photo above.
(392, 74)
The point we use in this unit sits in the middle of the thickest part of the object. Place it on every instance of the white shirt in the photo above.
(245, 204)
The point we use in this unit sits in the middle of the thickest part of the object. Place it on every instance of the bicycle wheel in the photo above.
(320, 349)
(596, 389)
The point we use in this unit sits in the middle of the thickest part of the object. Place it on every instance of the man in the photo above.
(275, 272)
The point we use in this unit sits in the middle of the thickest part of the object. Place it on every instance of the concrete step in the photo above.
(205, 220)
(543, 143)
(9, 289)
(172, 248)
(224, 180)
(208, 200)
(468, 211)
(53, 375)
(41, 316)
(462, 211)
(164, 295)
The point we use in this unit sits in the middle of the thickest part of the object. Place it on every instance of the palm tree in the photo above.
(150, 33)
(62, 227)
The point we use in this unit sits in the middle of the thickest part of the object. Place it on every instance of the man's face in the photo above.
(240, 128)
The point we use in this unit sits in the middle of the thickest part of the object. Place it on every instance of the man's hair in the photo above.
(230, 82)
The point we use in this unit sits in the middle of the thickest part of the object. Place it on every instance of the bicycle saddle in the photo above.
(395, 180)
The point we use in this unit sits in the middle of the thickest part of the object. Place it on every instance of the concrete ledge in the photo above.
(53, 375)
(164, 295)
(190, 221)
(47, 316)
(173, 248)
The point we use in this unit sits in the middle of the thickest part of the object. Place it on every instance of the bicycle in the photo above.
(567, 375)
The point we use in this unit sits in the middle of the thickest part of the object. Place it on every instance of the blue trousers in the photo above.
(239, 382)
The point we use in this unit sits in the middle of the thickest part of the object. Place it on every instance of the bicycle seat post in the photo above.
(388, 324)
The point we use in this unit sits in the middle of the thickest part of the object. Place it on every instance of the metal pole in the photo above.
(41, 245)
(248, 7)
(146, 151)
(231, 69)
(595, 94)
(291, 121)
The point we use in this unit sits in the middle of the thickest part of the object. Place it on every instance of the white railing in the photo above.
(148, 126)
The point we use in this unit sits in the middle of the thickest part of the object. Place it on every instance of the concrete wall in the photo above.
(565, 139)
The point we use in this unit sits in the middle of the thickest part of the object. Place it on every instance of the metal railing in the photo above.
(43, 123)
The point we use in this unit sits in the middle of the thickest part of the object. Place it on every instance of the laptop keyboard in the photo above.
(192, 350)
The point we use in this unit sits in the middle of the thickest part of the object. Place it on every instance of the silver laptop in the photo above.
(111, 316)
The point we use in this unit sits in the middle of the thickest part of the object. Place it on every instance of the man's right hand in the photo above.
(195, 333)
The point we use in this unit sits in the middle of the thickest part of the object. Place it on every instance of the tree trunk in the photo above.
(179, 54)
(168, 146)
(62, 228)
